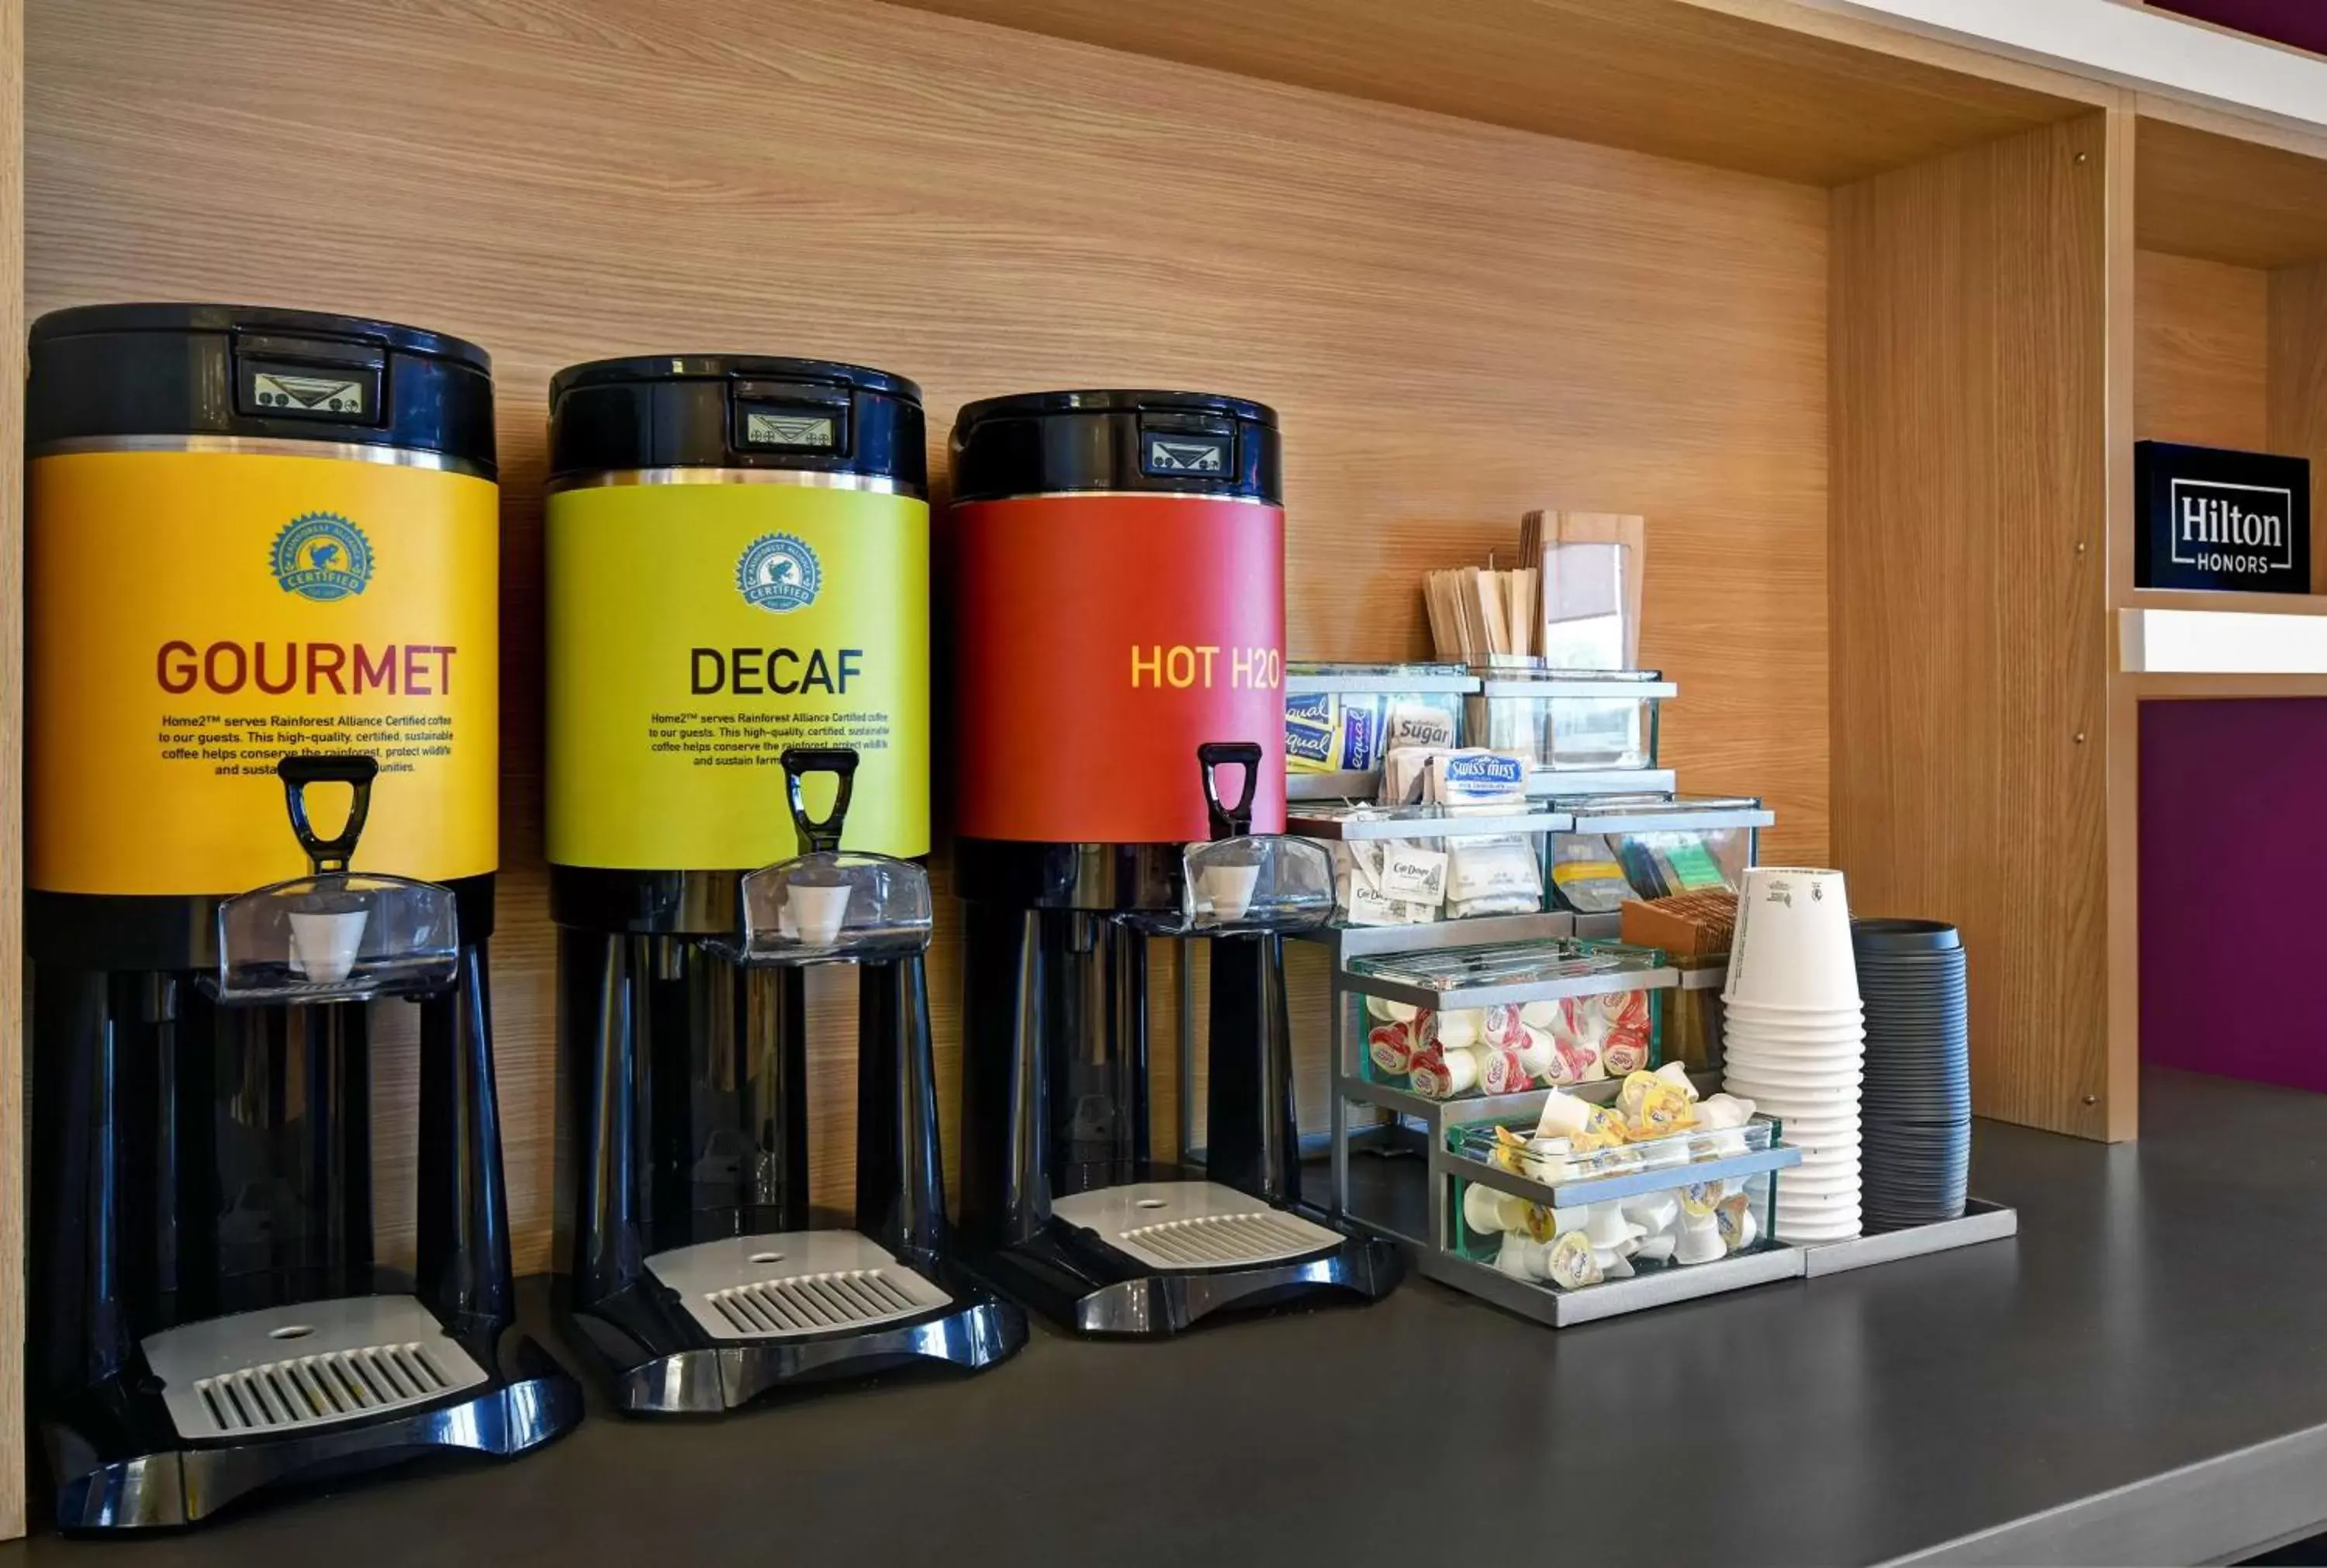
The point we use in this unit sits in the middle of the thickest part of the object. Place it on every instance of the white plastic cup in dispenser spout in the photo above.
(819, 912)
(325, 945)
(1228, 889)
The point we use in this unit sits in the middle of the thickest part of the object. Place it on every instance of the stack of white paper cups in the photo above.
(1794, 1040)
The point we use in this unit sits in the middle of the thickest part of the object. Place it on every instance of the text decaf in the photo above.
(749, 672)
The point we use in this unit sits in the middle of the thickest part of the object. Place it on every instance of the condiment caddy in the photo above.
(1564, 1232)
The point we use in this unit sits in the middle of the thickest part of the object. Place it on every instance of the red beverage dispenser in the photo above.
(1116, 561)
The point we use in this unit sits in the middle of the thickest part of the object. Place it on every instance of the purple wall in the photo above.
(2300, 23)
(2234, 889)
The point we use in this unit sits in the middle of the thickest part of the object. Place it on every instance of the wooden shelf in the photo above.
(2206, 688)
(2230, 198)
(2228, 604)
(1768, 89)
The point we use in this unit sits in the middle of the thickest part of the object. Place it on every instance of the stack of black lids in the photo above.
(1915, 1105)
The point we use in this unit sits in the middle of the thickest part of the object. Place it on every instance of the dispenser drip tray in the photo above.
(1192, 1225)
(313, 1363)
(793, 1285)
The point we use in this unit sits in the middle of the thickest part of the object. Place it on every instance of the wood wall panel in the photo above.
(2230, 199)
(2298, 389)
(1968, 593)
(2202, 352)
(1458, 322)
(11, 749)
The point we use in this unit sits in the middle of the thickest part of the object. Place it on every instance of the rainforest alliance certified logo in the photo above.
(778, 572)
(323, 557)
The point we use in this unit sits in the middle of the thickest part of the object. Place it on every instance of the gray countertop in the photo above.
(2140, 1377)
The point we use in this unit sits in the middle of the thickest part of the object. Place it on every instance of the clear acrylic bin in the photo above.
(336, 936)
(1403, 865)
(1506, 1018)
(1566, 720)
(1530, 1208)
(1340, 718)
(1649, 848)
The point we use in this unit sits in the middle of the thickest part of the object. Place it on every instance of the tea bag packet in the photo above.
(1669, 864)
(1587, 876)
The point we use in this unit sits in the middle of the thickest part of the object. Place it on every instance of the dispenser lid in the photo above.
(1199, 444)
(736, 411)
(112, 374)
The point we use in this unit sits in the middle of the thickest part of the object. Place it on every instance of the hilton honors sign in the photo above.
(2212, 519)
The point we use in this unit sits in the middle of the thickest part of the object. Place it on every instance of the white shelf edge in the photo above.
(2124, 45)
(2220, 642)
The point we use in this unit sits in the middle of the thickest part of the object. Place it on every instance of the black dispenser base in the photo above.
(1088, 1287)
(654, 1359)
(121, 1466)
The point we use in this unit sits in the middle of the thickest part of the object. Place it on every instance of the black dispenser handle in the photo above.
(1230, 821)
(328, 855)
(798, 761)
